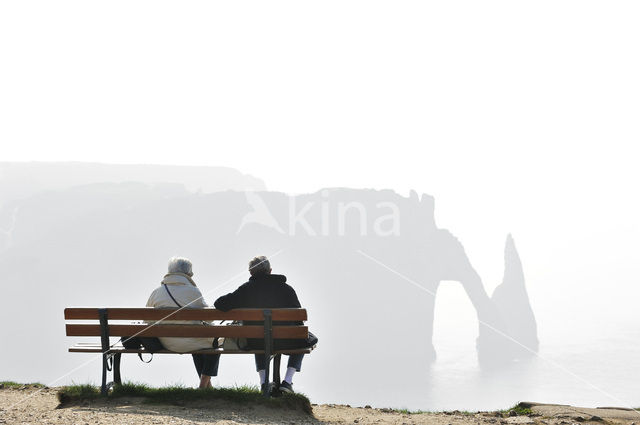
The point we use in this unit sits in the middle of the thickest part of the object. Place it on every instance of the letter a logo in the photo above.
(260, 214)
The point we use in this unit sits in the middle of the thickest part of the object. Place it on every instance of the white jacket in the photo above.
(187, 294)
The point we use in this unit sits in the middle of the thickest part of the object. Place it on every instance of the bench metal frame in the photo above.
(111, 358)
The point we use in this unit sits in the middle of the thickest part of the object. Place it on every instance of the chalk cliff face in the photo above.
(20, 180)
(366, 263)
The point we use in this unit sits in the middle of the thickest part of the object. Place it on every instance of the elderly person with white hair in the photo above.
(178, 289)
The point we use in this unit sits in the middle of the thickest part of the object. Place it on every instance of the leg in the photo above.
(197, 362)
(293, 365)
(210, 364)
(295, 361)
(209, 368)
(205, 382)
(259, 358)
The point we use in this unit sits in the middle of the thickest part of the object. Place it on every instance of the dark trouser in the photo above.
(295, 361)
(206, 364)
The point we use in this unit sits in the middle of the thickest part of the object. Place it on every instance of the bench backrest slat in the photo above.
(280, 332)
(280, 314)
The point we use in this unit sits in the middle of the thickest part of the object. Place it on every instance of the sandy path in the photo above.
(40, 407)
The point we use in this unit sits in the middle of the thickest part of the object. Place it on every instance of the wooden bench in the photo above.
(116, 322)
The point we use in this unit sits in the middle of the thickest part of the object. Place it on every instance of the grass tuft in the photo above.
(179, 395)
(11, 384)
(74, 393)
(520, 409)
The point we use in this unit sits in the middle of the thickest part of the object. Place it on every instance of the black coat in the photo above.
(264, 291)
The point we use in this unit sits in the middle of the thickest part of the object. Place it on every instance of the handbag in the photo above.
(150, 344)
(233, 344)
(312, 341)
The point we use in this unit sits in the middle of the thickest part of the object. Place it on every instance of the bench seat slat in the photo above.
(95, 348)
(279, 314)
(190, 331)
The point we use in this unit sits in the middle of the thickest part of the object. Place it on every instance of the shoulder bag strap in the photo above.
(215, 340)
(169, 292)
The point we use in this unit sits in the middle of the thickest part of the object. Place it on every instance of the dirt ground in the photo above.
(27, 405)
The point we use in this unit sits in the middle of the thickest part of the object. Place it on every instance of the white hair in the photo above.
(259, 265)
(180, 265)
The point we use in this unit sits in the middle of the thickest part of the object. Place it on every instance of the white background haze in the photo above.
(518, 117)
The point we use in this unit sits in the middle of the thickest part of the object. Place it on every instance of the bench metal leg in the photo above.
(104, 340)
(103, 387)
(117, 380)
(268, 349)
(276, 369)
(267, 388)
